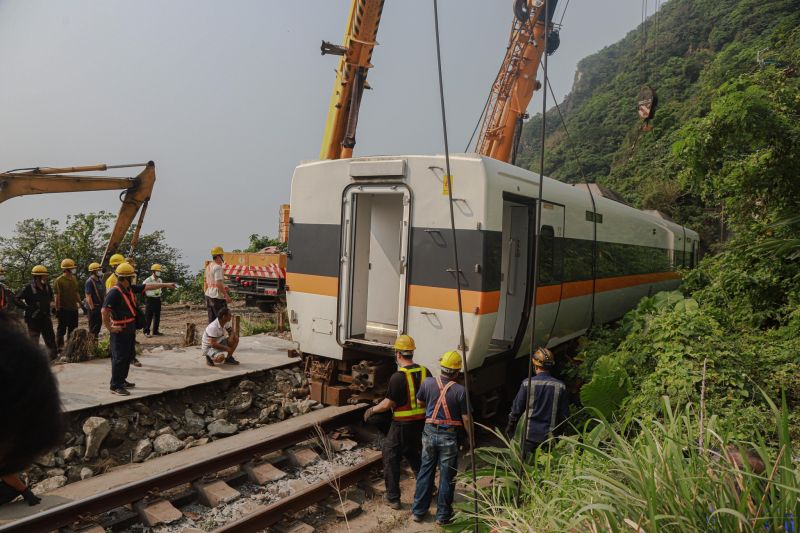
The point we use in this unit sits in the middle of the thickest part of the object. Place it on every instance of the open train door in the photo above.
(374, 264)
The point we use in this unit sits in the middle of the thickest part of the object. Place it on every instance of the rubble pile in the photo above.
(139, 430)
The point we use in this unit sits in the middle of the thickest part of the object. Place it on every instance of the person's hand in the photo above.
(172, 285)
(228, 299)
(31, 498)
(368, 413)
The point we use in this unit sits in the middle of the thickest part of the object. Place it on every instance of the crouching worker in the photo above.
(447, 424)
(217, 348)
(548, 406)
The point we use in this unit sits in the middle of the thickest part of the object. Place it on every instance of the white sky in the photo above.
(228, 96)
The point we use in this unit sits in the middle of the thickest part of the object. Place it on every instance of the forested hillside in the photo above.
(688, 410)
(688, 52)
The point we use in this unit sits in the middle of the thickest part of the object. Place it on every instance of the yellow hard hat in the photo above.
(116, 260)
(543, 358)
(217, 250)
(155, 268)
(404, 343)
(451, 360)
(124, 270)
(67, 263)
(94, 266)
(39, 270)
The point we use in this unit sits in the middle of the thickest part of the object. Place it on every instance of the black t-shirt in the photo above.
(118, 305)
(398, 387)
(37, 300)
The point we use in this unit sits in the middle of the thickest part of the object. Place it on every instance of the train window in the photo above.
(550, 257)
(591, 217)
(577, 258)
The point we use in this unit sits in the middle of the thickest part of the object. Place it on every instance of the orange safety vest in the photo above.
(441, 403)
(130, 305)
(411, 410)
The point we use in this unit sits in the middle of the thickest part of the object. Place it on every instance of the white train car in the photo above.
(370, 257)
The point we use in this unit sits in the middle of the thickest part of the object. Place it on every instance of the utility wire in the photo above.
(462, 344)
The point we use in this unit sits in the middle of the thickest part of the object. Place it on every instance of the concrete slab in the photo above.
(84, 385)
(157, 512)
(263, 473)
(215, 493)
(136, 471)
(303, 457)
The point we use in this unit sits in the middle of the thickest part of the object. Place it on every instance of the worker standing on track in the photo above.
(548, 406)
(95, 292)
(68, 301)
(408, 418)
(447, 423)
(152, 307)
(119, 318)
(216, 293)
(115, 261)
(38, 298)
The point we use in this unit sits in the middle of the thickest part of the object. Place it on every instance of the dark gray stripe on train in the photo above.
(314, 249)
(478, 256)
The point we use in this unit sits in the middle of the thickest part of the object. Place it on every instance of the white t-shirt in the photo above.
(215, 331)
(214, 274)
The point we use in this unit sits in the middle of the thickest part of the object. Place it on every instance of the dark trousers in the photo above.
(67, 323)
(403, 440)
(95, 321)
(213, 306)
(123, 349)
(7, 493)
(43, 327)
(152, 314)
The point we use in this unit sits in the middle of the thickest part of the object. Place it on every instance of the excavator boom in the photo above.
(516, 82)
(54, 180)
(351, 77)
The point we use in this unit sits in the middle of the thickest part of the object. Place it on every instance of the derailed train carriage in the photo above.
(370, 257)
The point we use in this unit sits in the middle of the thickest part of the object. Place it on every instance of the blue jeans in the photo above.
(439, 447)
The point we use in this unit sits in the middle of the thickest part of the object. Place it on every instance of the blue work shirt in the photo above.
(456, 399)
(119, 306)
(95, 291)
(548, 406)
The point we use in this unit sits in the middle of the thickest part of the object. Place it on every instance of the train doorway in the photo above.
(372, 295)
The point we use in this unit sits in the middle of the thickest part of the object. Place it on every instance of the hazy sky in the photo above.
(228, 96)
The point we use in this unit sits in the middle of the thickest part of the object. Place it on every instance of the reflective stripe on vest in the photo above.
(130, 305)
(442, 403)
(2, 298)
(412, 409)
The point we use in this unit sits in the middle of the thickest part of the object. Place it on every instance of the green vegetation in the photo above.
(83, 238)
(256, 327)
(686, 374)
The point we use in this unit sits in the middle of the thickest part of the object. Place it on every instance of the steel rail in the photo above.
(65, 515)
(274, 513)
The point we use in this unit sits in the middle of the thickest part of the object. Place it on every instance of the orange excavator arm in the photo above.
(516, 82)
(53, 180)
(351, 77)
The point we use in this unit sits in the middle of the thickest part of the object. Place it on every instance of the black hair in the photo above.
(223, 311)
(407, 354)
(31, 422)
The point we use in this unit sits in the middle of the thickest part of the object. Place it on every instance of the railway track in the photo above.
(86, 511)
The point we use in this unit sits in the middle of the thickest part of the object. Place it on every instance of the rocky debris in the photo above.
(220, 414)
(143, 448)
(167, 430)
(194, 422)
(52, 472)
(342, 444)
(49, 484)
(222, 427)
(86, 472)
(47, 460)
(198, 442)
(240, 402)
(247, 385)
(167, 443)
(96, 430)
(120, 427)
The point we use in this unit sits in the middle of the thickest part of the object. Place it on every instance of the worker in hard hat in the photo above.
(120, 319)
(132, 263)
(547, 400)
(152, 306)
(38, 298)
(216, 293)
(68, 301)
(404, 438)
(7, 296)
(447, 423)
(115, 261)
(95, 291)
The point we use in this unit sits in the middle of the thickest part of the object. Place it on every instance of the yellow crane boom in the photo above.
(45, 180)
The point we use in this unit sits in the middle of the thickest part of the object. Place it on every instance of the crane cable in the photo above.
(537, 222)
(462, 340)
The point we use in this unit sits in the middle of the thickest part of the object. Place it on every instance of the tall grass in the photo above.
(647, 476)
